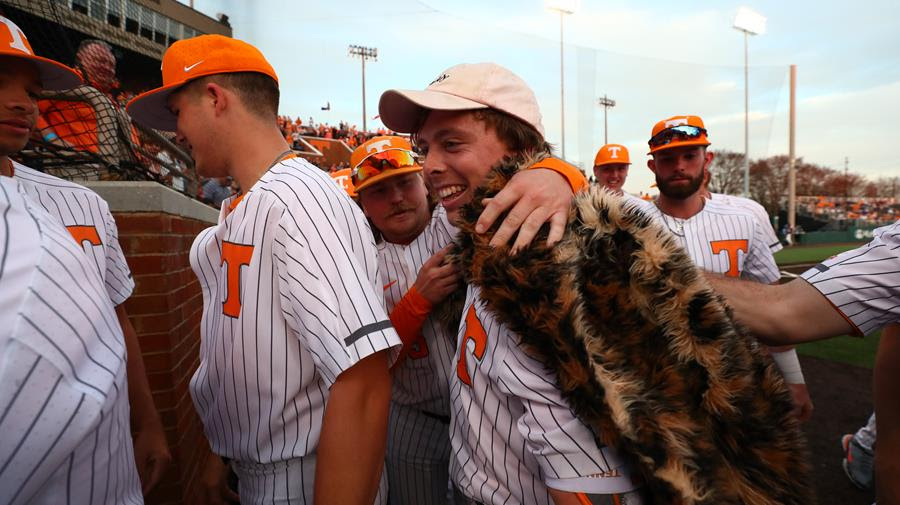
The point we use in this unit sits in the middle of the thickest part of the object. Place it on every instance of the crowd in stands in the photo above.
(353, 137)
(863, 210)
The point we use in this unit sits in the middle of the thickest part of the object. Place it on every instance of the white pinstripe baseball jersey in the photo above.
(864, 283)
(758, 211)
(422, 380)
(64, 410)
(291, 298)
(88, 220)
(512, 433)
(724, 239)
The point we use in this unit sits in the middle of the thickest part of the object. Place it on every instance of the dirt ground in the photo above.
(842, 397)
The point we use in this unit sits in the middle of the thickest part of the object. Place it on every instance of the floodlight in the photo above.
(750, 21)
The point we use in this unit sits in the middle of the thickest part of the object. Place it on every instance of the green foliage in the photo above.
(810, 254)
(851, 350)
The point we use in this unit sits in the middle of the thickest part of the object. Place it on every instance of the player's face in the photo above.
(611, 176)
(459, 152)
(20, 86)
(397, 206)
(680, 170)
(195, 130)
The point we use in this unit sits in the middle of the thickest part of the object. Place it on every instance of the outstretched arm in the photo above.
(784, 314)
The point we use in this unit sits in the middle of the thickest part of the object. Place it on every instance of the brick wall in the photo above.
(165, 310)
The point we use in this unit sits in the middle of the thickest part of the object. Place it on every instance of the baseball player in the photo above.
(293, 381)
(64, 410)
(758, 211)
(611, 165)
(86, 216)
(719, 237)
(514, 438)
(391, 191)
(856, 292)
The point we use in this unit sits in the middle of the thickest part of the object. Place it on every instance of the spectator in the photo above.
(215, 190)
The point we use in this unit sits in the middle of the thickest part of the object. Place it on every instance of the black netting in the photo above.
(84, 133)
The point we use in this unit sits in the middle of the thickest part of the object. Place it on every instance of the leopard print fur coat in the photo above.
(645, 352)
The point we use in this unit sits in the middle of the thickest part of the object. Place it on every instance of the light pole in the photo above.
(563, 7)
(607, 103)
(751, 23)
(364, 53)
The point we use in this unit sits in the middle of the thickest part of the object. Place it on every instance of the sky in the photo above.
(655, 58)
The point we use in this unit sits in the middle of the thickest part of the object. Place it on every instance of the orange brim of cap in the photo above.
(387, 174)
(54, 75)
(682, 143)
(612, 162)
(402, 110)
(151, 108)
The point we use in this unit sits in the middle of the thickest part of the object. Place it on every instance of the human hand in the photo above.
(213, 488)
(533, 197)
(151, 455)
(803, 406)
(436, 280)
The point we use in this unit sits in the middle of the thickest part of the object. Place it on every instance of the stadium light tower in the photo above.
(751, 23)
(364, 53)
(607, 104)
(563, 7)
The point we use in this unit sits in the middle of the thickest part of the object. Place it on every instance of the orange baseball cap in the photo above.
(381, 158)
(678, 131)
(190, 59)
(54, 75)
(342, 178)
(611, 153)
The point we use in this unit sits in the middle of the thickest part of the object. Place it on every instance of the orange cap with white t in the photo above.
(380, 158)
(342, 178)
(678, 131)
(54, 75)
(191, 59)
(611, 153)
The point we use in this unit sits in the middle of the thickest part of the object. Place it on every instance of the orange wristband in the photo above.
(570, 172)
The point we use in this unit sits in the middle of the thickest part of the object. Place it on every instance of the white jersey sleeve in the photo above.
(87, 218)
(759, 264)
(63, 396)
(864, 283)
(328, 294)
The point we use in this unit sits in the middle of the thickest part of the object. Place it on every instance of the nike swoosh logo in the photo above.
(388, 285)
(188, 68)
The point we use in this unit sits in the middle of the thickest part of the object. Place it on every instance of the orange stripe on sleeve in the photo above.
(407, 317)
(571, 173)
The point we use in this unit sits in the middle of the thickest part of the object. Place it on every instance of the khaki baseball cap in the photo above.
(54, 75)
(191, 59)
(462, 87)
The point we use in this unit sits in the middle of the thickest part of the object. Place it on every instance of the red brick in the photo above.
(132, 222)
(154, 323)
(155, 283)
(147, 304)
(155, 342)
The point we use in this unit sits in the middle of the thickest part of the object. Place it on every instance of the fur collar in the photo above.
(645, 352)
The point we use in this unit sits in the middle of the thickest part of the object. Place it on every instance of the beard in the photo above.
(679, 191)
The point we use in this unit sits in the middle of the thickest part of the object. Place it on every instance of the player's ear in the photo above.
(217, 95)
(709, 155)
(651, 164)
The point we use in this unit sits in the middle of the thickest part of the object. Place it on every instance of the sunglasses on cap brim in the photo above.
(377, 163)
(669, 135)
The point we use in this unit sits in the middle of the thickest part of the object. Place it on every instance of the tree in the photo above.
(727, 173)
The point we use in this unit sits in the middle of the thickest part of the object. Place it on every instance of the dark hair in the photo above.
(257, 91)
(519, 136)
